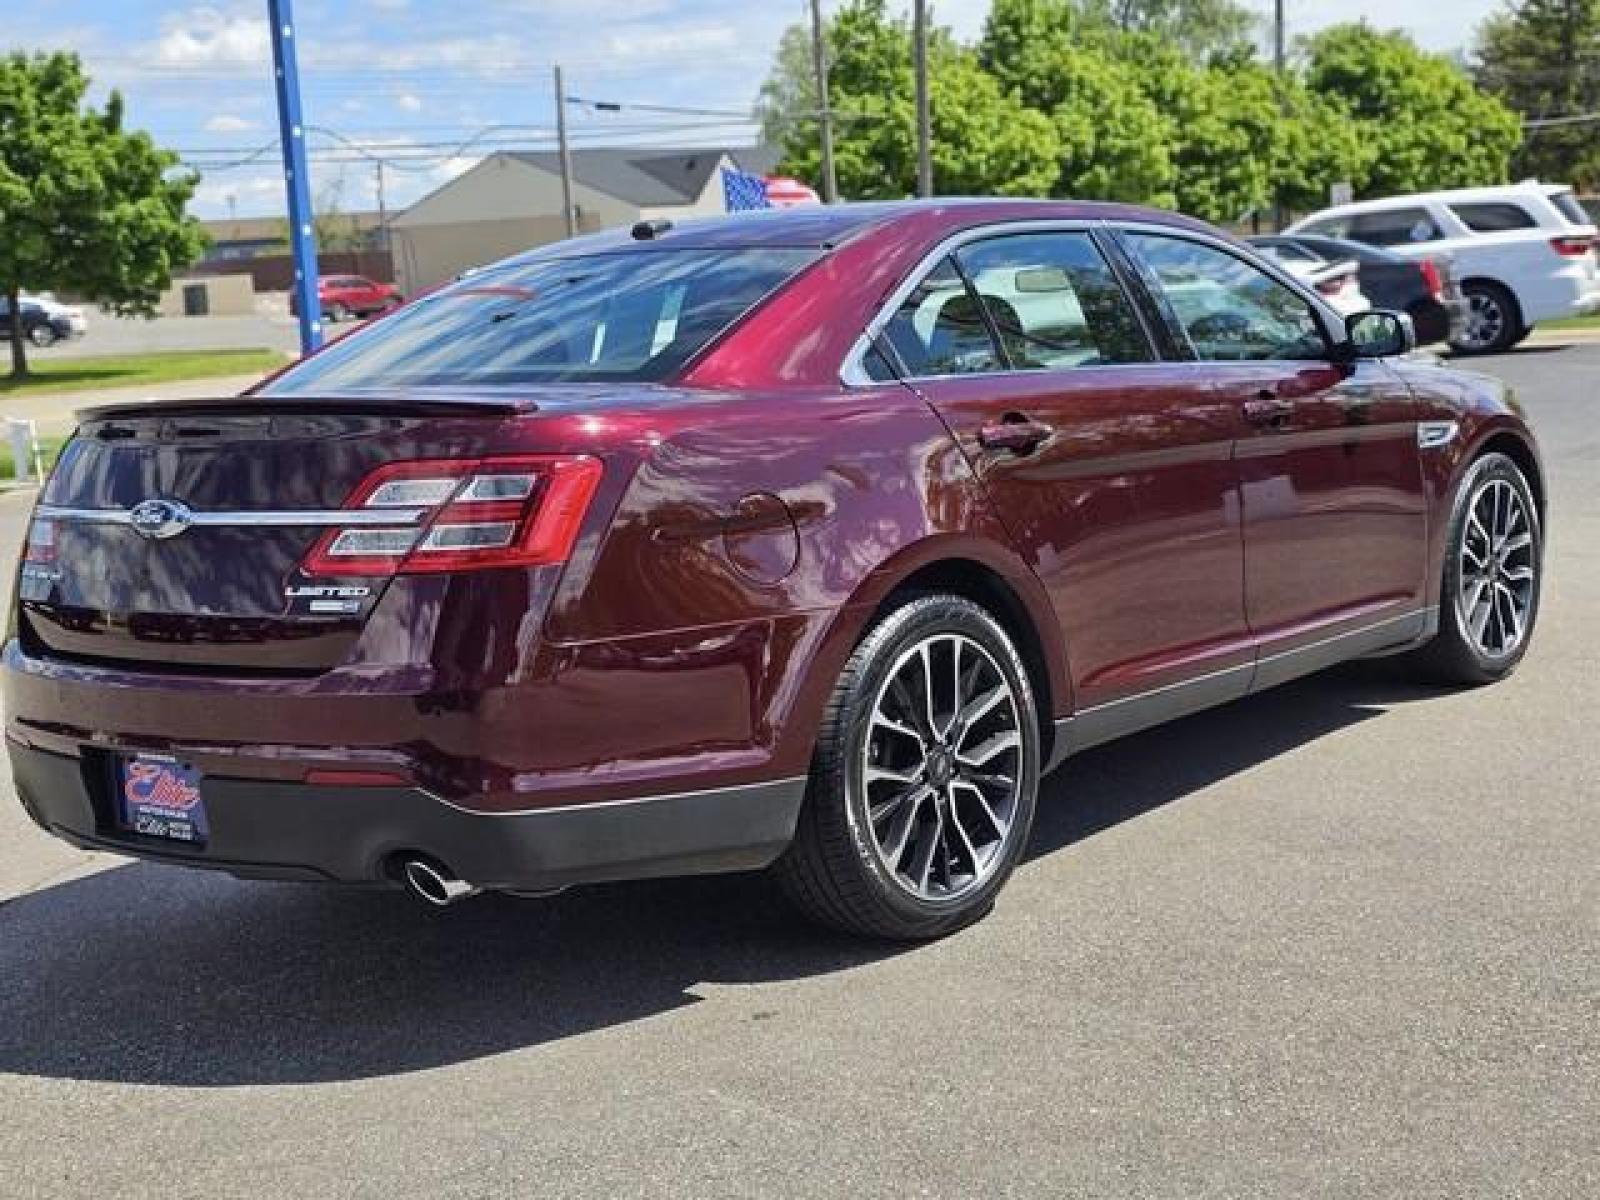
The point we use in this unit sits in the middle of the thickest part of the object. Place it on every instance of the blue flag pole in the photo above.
(296, 178)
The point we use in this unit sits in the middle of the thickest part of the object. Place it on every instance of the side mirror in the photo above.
(1380, 334)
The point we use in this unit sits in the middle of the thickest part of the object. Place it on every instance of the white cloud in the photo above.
(249, 194)
(452, 168)
(228, 123)
(667, 43)
(407, 102)
(207, 37)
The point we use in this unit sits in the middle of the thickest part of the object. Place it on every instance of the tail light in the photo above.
(1432, 279)
(1571, 247)
(477, 513)
(41, 546)
(1332, 287)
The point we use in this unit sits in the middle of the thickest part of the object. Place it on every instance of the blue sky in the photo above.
(411, 80)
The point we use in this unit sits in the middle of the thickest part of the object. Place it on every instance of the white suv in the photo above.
(1523, 253)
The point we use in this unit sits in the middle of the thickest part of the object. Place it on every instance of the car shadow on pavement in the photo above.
(159, 975)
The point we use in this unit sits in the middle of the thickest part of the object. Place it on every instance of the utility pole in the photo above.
(383, 210)
(297, 181)
(1280, 216)
(819, 60)
(924, 123)
(567, 209)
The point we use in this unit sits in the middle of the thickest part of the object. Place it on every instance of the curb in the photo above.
(1557, 337)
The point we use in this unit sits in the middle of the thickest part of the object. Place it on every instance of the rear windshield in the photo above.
(631, 317)
(1569, 208)
(1494, 218)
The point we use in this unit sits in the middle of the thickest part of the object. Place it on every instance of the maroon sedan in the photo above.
(808, 539)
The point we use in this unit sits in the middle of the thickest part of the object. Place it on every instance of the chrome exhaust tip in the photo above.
(433, 886)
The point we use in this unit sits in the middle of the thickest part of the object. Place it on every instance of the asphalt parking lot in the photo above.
(1339, 940)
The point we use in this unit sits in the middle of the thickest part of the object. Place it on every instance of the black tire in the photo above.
(337, 313)
(837, 870)
(1456, 655)
(43, 336)
(1494, 319)
(1522, 335)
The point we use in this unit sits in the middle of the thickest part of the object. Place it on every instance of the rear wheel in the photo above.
(338, 313)
(1494, 558)
(924, 779)
(1493, 320)
(43, 336)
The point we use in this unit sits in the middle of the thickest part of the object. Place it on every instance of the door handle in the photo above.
(1014, 432)
(1268, 409)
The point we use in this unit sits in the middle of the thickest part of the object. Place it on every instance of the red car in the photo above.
(348, 296)
(808, 539)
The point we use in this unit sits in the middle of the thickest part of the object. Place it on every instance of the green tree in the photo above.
(1061, 59)
(984, 138)
(1207, 31)
(85, 206)
(1542, 59)
(1423, 122)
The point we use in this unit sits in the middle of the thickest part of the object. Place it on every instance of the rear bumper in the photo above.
(272, 830)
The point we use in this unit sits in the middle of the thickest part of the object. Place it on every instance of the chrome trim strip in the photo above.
(1428, 613)
(786, 782)
(1432, 435)
(1349, 633)
(258, 518)
(1199, 693)
(1247, 668)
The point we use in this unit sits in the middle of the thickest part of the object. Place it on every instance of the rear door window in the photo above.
(618, 317)
(1494, 218)
(1054, 301)
(1567, 205)
(1393, 227)
(1229, 309)
(939, 329)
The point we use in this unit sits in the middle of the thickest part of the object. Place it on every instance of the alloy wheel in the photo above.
(941, 768)
(1497, 570)
(1486, 320)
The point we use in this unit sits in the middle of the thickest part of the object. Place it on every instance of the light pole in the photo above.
(565, 150)
(924, 124)
(292, 135)
(819, 63)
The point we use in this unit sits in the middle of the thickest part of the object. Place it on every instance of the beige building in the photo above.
(209, 296)
(512, 202)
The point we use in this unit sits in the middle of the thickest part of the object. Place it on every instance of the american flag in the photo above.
(742, 191)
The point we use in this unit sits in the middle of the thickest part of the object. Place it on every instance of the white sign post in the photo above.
(24, 441)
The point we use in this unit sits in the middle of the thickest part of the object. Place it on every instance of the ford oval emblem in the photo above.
(160, 518)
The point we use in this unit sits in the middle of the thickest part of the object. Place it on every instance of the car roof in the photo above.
(1473, 195)
(1322, 243)
(825, 226)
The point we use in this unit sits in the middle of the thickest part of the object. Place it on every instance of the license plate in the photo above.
(158, 796)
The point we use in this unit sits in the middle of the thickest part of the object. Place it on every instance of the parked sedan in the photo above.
(1338, 281)
(44, 322)
(809, 542)
(1424, 289)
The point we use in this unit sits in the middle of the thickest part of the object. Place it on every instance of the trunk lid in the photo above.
(223, 591)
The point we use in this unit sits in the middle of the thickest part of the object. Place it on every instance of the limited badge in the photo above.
(325, 600)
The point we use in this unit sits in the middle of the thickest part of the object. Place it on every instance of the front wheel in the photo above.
(43, 336)
(1493, 568)
(924, 779)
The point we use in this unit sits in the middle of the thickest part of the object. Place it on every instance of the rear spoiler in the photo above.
(476, 404)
